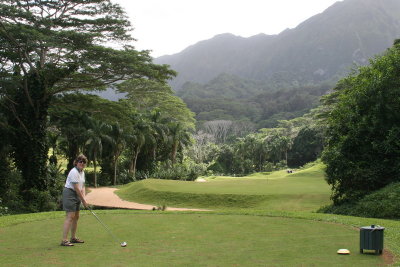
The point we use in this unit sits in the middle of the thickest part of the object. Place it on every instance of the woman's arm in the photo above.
(80, 194)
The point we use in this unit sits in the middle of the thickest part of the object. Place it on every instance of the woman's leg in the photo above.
(68, 223)
(74, 225)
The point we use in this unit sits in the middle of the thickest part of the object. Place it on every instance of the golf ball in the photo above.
(123, 244)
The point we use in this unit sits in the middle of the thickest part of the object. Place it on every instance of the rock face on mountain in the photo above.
(322, 48)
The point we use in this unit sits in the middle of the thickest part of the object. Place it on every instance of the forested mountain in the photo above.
(268, 77)
(228, 97)
(321, 48)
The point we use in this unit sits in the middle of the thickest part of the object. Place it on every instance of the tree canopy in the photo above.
(55, 46)
(363, 132)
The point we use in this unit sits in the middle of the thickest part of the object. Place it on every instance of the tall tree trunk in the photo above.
(132, 167)
(95, 174)
(173, 153)
(135, 160)
(29, 120)
(116, 157)
(95, 167)
(286, 155)
(115, 171)
(132, 163)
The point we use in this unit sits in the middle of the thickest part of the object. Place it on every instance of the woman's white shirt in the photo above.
(75, 177)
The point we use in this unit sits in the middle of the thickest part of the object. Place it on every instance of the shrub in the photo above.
(89, 178)
(380, 204)
(103, 179)
(56, 181)
(44, 201)
(126, 177)
(187, 171)
(269, 166)
(310, 164)
(217, 168)
(49, 200)
(11, 197)
(3, 209)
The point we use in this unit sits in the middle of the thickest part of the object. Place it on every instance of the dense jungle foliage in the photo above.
(363, 132)
(228, 97)
(48, 115)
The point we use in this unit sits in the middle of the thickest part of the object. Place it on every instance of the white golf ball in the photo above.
(123, 244)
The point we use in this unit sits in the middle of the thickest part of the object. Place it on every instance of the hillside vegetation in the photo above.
(265, 78)
(228, 97)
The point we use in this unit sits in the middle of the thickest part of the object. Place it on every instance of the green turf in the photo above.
(171, 239)
(302, 190)
(260, 220)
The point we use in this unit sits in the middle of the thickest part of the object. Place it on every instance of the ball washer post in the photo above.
(123, 244)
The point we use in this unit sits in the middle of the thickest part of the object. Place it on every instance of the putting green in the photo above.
(184, 239)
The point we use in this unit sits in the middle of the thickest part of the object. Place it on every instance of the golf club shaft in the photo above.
(104, 225)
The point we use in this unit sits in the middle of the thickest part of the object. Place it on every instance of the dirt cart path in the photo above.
(105, 197)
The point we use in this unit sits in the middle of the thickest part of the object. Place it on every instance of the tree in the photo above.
(119, 138)
(72, 125)
(141, 133)
(363, 134)
(178, 138)
(96, 135)
(149, 96)
(53, 135)
(277, 143)
(224, 162)
(219, 129)
(307, 146)
(202, 147)
(5, 132)
(160, 130)
(54, 46)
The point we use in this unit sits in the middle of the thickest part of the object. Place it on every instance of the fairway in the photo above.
(195, 239)
(305, 190)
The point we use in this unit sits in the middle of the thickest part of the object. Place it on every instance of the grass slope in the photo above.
(302, 190)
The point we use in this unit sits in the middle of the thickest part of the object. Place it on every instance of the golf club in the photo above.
(123, 244)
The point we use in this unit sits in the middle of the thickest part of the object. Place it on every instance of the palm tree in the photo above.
(160, 131)
(178, 137)
(276, 144)
(97, 134)
(141, 134)
(119, 138)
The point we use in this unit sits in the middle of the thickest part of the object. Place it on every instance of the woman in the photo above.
(73, 196)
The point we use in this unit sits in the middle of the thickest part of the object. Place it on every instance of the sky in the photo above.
(169, 26)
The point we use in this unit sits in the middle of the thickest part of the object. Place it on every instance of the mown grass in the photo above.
(191, 239)
(302, 190)
(259, 233)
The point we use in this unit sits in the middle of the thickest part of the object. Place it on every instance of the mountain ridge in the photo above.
(321, 48)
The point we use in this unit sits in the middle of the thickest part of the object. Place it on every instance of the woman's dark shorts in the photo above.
(71, 201)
